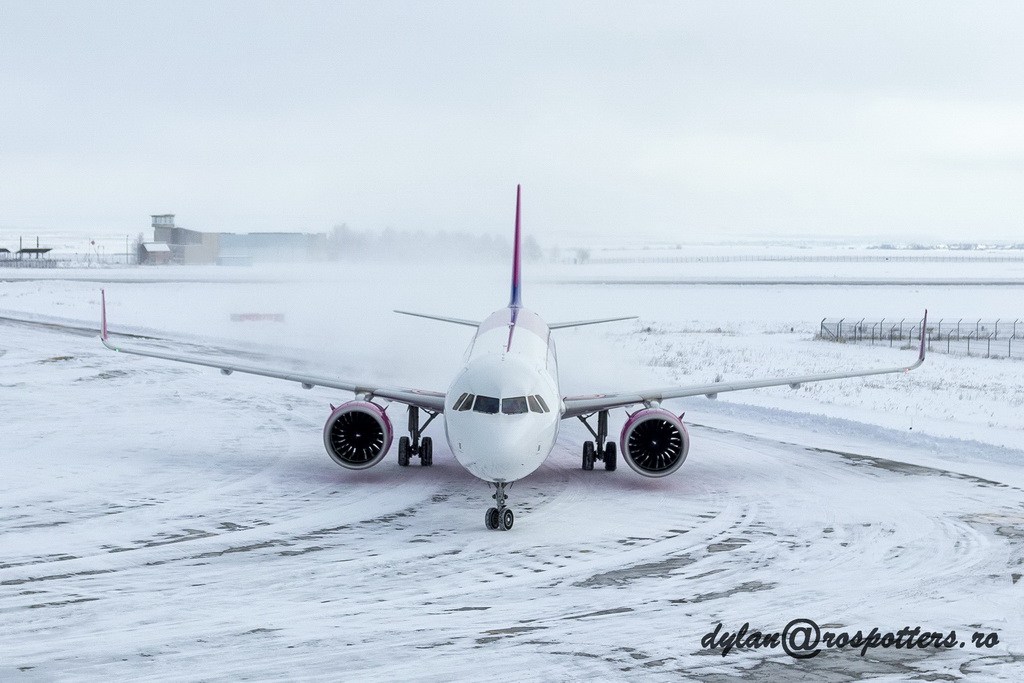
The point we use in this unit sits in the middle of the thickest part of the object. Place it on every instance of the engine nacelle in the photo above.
(654, 442)
(358, 434)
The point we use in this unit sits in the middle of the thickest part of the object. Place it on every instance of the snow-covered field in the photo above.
(162, 522)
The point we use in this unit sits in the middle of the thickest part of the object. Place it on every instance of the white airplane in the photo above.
(503, 409)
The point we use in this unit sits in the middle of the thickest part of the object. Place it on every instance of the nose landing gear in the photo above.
(598, 449)
(499, 517)
(412, 445)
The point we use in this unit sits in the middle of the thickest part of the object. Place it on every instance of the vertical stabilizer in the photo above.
(515, 301)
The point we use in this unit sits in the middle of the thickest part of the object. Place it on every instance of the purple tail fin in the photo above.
(515, 301)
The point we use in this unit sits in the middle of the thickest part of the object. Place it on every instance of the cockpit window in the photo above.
(486, 404)
(514, 406)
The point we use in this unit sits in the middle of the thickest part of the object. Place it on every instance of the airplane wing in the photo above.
(429, 400)
(584, 405)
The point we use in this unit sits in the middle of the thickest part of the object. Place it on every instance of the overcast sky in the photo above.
(674, 120)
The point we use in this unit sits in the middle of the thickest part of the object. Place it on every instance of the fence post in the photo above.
(997, 328)
(988, 351)
(958, 328)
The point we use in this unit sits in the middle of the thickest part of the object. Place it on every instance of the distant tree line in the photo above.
(344, 243)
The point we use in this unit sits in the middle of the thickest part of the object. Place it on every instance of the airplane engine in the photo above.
(358, 434)
(654, 442)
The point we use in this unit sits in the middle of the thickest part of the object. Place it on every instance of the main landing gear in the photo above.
(598, 449)
(412, 445)
(499, 517)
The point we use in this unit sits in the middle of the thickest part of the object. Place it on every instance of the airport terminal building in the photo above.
(174, 244)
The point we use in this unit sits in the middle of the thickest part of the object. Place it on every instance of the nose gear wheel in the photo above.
(500, 517)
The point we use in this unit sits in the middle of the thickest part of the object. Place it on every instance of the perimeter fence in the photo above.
(1001, 338)
(71, 261)
(29, 263)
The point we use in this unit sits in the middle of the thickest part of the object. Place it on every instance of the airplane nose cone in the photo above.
(504, 454)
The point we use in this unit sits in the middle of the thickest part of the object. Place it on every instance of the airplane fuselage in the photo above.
(503, 408)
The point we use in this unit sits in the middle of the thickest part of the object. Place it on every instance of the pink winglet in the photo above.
(103, 316)
(924, 334)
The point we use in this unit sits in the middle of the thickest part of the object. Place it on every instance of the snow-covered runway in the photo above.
(161, 522)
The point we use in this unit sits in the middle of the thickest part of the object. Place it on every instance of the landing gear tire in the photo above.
(403, 451)
(609, 457)
(600, 448)
(426, 452)
(413, 445)
(588, 455)
(491, 518)
(499, 516)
